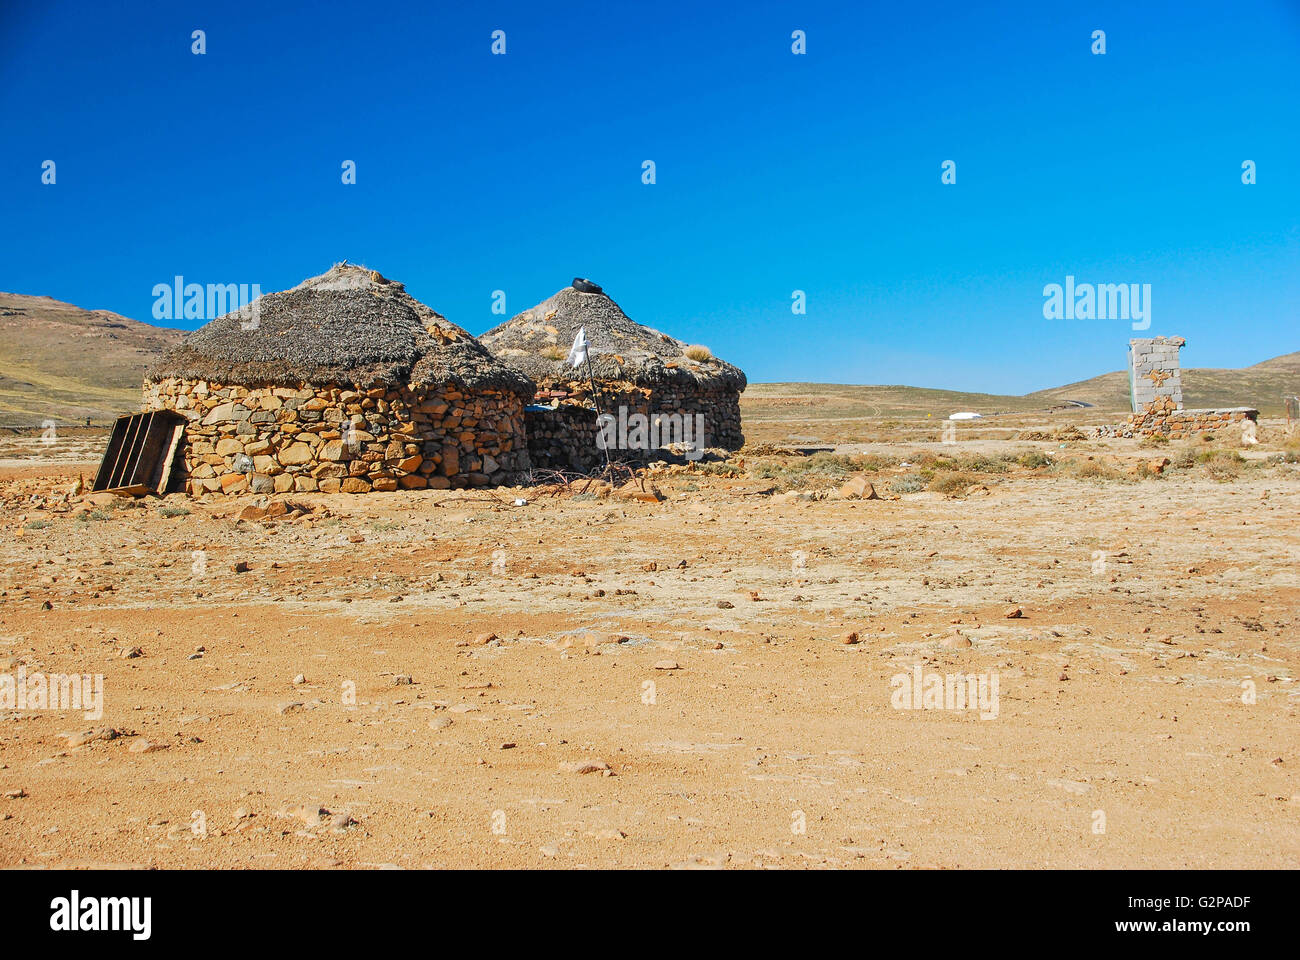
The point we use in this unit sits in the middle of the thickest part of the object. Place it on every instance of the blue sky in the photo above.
(775, 172)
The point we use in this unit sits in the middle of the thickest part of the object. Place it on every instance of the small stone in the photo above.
(586, 766)
(725, 605)
(300, 679)
(858, 489)
(1015, 613)
(340, 822)
(130, 653)
(311, 815)
(145, 746)
(240, 566)
(848, 638)
(667, 665)
(90, 736)
(294, 707)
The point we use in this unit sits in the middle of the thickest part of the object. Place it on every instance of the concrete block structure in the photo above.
(1156, 385)
(1154, 372)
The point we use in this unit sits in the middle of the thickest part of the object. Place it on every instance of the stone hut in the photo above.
(637, 370)
(344, 383)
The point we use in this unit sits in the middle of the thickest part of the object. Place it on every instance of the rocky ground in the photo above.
(456, 678)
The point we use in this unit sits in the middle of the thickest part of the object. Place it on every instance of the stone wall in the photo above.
(1154, 373)
(276, 439)
(1163, 417)
(565, 438)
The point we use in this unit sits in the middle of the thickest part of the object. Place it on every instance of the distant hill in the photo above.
(1261, 386)
(829, 409)
(836, 401)
(61, 362)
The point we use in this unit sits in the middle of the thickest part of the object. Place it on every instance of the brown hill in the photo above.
(60, 361)
(64, 363)
(1261, 386)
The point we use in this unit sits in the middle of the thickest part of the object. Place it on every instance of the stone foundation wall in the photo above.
(281, 439)
(566, 437)
(1163, 416)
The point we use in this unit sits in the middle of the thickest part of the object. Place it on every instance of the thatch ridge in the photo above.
(348, 326)
(537, 341)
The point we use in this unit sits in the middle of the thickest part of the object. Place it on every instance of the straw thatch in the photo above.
(349, 326)
(537, 341)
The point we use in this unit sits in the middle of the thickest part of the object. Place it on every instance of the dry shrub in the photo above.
(1034, 459)
(1091, 470)
(874, 462)
(908, 483)
(953, 483)
(699, 352)
(823, 466)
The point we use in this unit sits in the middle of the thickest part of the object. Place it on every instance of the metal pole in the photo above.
(595, 398)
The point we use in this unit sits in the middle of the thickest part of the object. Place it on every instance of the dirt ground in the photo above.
(420, 679)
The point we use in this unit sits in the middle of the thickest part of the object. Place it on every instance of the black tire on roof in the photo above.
(586, 286)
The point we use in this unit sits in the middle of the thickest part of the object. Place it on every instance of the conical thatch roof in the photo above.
(537, 342)
(349, 326)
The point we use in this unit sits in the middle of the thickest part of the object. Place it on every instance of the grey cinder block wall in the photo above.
(1153, 370)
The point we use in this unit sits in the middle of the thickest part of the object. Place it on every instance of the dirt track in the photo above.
(1120, 690)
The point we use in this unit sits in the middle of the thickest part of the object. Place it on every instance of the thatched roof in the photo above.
(349, 326)
(537, 341)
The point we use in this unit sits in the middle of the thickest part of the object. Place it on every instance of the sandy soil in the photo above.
(1121, 736)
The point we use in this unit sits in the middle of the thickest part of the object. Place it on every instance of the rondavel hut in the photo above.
(636, 370)
(344, 383)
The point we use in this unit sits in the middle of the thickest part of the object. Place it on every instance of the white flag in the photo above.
(578, 352)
